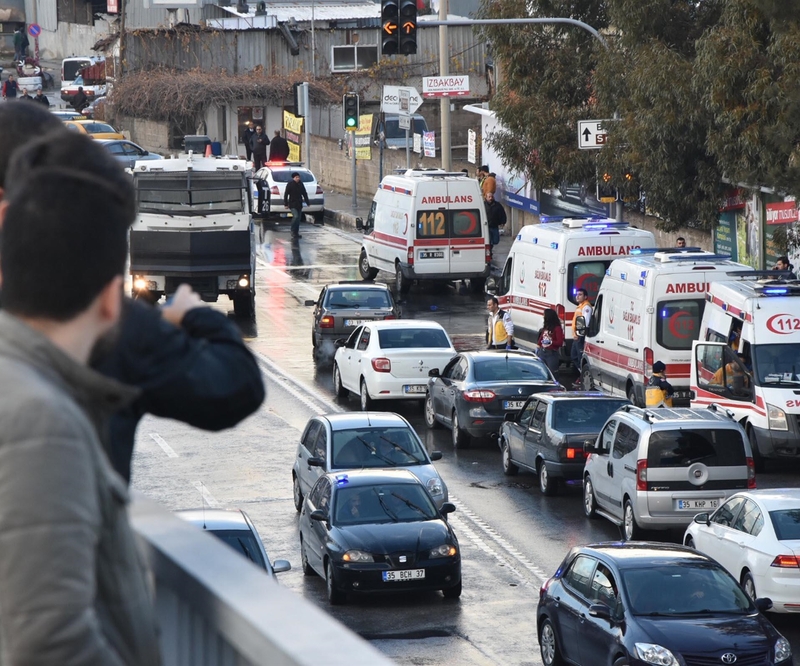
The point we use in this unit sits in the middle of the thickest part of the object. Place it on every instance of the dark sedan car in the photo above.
(475, 391)
(547, 436)
(341, 308)
(639, 603)
(378, 531)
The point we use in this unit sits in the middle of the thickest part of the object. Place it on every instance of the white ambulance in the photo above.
(649, 309)
(762, 385)
(548, 262)
(426, 224)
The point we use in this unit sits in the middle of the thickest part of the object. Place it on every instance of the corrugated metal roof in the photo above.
(299, 12)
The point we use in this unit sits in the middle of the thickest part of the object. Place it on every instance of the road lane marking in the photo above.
(158, 439)
(207, 496)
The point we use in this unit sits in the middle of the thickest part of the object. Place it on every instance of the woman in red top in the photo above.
(551, 339)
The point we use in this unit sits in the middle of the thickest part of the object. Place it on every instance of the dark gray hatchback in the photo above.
(548, 434)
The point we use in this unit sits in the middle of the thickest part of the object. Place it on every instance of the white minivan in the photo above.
(427, 224)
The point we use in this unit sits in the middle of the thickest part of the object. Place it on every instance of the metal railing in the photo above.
(216, 608)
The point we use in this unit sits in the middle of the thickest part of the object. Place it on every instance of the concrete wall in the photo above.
(151, 135)
(70, 39)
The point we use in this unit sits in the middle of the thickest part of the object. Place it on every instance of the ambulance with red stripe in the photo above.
(549, 261)
(426, 224)
(759, 380)
(649, 309)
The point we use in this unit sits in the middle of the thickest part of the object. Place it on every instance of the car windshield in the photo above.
(198, 193)
(412, 338)
(340, 299)
(684, 589)
(97, 128)
(285, 175)
(786, 523)
(243, 541)
(775, 365)
(583, 416)
(385, 503)
(510, 368)
(376, 447)
(722, 447)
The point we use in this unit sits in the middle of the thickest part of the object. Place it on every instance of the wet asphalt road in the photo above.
(511, 536)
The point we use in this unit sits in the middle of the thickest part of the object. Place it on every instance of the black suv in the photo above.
(343, 307)
(548, 434)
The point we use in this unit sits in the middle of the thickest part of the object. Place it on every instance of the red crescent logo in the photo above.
(681, 324)
(786, 329)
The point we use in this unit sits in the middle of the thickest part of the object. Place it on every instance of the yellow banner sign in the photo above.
(294, 152)
(364, 137)
(292, 123)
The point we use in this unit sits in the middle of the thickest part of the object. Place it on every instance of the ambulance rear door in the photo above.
(468, 227)
(431, 229)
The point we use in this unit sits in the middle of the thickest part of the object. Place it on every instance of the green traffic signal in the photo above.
(350, 111)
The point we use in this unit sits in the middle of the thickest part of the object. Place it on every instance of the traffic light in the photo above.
(390, 26)
(606, 192)
(350, 111)
(630, 191)
(408, 27)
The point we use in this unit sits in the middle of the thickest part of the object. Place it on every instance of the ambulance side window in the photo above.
(714, 336)
(679, 323)
(594, 322)
(504, 283)
(585, 275)
(371, 217)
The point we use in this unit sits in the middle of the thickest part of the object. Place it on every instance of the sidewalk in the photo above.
(339, 212)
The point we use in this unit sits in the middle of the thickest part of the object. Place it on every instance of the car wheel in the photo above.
(749, 585)
(547, 485)
(461, 438)
(307, 570)
(338, 388)
(244, 305)
(631, 395)
(477, 285)
(622, 661)
(452, 592)
(589, 501)
(365, 270)
(430, 413)
(688, 542)
(335, 595)
(759, 462)
(319, 217)
(367, 403)
(297, 493)
(587, 383)
(548, 645)
(509, 468)
(629, 525)
(401, 283)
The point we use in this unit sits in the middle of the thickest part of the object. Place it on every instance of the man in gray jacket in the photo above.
(73, 587)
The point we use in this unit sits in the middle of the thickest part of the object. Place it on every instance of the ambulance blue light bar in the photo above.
(775, 291)
(598, 226)
(668, 250)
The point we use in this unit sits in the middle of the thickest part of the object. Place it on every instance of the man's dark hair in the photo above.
(18, 125)
(493, 299)
(782, 260)
(581, 290)
(59, 251)
(484, 168)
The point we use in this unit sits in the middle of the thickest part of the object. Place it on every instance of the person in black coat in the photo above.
(278, 148)
(80, 100)
(293, 199)
(259, 144)
(496, 216)
(189, 361)
(41, 98)
(247, 137)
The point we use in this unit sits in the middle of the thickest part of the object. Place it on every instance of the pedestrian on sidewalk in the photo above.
(580, 321)
(41, 98)
(80, 100)
(24, 46)
(499, 328)
(17, 45)
(258, 144)
(10, 88)
(293, 198)
(247, 137)
(278, 148)
(496, 216)
(550, 341)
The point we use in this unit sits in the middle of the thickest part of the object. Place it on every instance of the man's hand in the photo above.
(183, 300)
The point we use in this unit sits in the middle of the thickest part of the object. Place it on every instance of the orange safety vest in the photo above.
(576, 314)
(500, 335)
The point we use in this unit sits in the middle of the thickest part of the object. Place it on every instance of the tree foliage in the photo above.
(705, 92)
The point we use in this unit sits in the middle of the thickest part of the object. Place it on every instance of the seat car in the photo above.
(94, 128)
(341, 307)
(276, 175)
(656, 468)
(361, 440)
(547, 436)
(632, 604)
(67, 114)
(390, 360)
(378, 531)
(755, 535)
(234, 527)
(127, 153)
(475, 390)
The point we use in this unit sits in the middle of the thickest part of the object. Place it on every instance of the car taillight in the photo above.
(543, 588)
(319, 190)
(275, 191)
(641, 475)
(648, 361)
(326, 322)
(476, 395)
(488, 253)
(574, 453)
(786, 561)
(751, 474)
(381, 365)
(390, 317)
(410, 255)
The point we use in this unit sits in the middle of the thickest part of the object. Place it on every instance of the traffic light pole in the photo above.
(513, 21)
(353, 162)
(444, 102)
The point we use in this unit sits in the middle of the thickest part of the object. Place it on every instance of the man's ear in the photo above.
(110, 300)
(3, 207)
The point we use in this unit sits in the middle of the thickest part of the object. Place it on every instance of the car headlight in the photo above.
(435, 486)
(445, 550)
(655, 654)
(777, 418)
(357, 556)
(783, 650)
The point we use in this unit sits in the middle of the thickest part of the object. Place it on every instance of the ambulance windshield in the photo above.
(777, 365)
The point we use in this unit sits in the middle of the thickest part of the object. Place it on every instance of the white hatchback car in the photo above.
(390, 360)
(755, 535)
(276, 175)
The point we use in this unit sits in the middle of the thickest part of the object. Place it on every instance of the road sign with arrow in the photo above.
(592, 134)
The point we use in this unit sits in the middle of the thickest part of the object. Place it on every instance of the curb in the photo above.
(341, 219)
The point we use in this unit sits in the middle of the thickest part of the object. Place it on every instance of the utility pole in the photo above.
(444, 102)
(122, 45)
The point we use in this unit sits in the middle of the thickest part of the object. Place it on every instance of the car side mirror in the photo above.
(702, 519)
(147, 152)
(359, 224)
(341, 342)
(316, 462)
(279, 566)
(433, 372)
(580, 325)
(763, 604)
(319, 514)
(511, 417)
(491, 286)
(591, 448)
(310, 302)
(596, 610)
(435, 455)
(448, 507)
